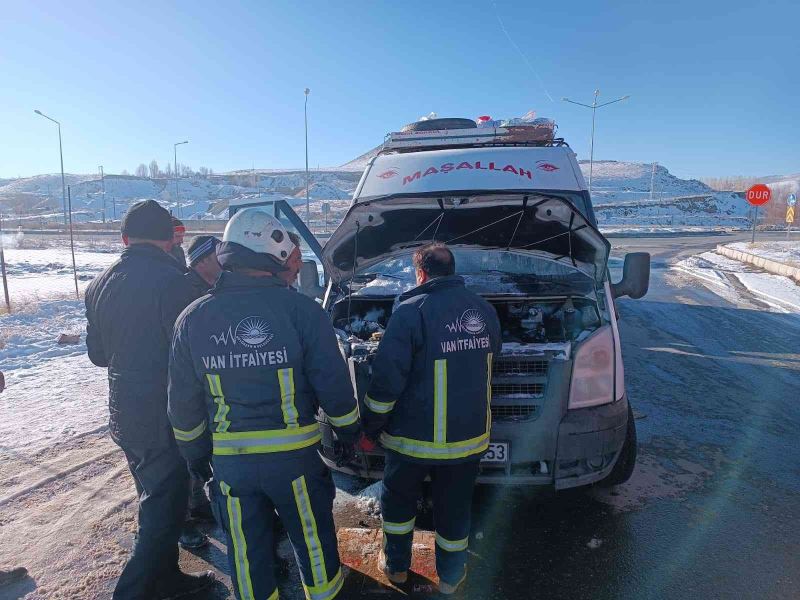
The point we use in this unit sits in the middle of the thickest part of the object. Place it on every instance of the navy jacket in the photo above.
(431, 379)
(251, 363)
(130, 310)
(199, 285)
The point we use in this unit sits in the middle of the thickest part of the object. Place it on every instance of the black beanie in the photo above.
(147, 220)
(201, 246)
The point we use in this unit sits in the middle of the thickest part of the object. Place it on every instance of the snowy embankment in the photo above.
(52, 390)
(730, 278)
(783, 252)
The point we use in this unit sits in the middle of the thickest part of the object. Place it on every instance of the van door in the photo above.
(292, 222)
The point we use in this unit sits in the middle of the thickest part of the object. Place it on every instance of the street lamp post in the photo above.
(61, 155)
(177, 197)
(103, 181)
(305, 115)
(594, 106)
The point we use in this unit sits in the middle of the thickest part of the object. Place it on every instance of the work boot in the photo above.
(393, 576)
(201, 513)
(448, 589)
(185, 584)
(12, 575)
(192, 538)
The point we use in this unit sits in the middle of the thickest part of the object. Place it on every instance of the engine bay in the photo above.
(525, 322)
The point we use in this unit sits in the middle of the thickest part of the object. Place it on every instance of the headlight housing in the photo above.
(593, 371)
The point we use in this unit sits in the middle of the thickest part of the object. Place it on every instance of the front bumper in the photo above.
(562, 448)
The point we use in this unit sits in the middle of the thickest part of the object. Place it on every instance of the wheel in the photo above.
(432, 124)
(626, 461)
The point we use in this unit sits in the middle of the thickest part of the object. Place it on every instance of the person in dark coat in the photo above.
(429, 400)
(131, 309)
(250, 366)
(204, 268)
(178, 233)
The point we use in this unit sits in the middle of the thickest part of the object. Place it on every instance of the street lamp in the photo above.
(305, 114)
(177, 197)
(61, 155)
(103, 180)
(594, 106)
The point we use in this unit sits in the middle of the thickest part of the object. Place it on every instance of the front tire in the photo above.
(626, 462)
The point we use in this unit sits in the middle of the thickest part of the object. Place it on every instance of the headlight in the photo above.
(593, 371)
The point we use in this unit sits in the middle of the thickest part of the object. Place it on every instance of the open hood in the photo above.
(377, 229)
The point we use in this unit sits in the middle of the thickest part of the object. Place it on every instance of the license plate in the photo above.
(497, 453)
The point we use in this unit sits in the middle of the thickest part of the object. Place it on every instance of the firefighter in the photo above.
(131, 309)
(249, 367)
(429, 401)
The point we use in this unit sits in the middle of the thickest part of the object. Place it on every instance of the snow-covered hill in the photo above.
(40, 196)
(621, 193)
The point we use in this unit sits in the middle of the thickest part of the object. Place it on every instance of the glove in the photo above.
(345, 454)
(366, 444)
(200, 468)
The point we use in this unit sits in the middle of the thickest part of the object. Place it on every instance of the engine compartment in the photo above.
(525, 322)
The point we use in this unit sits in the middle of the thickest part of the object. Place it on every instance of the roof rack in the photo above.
(516, 135)
(554, 143)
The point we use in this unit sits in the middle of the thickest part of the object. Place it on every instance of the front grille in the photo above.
(517, 389)
(516, 365)
(505, 412)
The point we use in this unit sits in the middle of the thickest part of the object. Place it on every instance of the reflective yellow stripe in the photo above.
(327, 590)
(192, 434)
(348, 419)
(440, 401)
(215, 385)
(378, 407)
(488, 392)
(450, 545)
(289, 410)
(267, 440)
(244, 584)
(399, 528)
(309, 523)
(448, 450)
(273, 595)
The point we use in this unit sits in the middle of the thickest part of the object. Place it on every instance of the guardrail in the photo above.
(773, 266)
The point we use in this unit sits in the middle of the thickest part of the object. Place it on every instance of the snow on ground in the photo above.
(730, 278)
(52, 391)
(42, 273)
(783, 252)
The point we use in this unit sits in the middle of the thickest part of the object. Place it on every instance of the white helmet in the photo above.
(259, 231)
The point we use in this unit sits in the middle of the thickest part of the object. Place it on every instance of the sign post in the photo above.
(791, 200)
(757, 195)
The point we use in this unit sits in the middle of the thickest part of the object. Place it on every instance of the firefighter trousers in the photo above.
(452, 487)
(248, 490)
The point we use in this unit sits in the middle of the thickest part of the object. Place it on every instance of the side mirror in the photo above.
(635, 276)
(308, 280)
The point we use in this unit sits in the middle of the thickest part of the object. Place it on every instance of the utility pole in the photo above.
(305, 114)
(103, 180)
(61, 156)
(3, 266)
(652, 180)
(594, 106)
(177, 197)
(72, 247)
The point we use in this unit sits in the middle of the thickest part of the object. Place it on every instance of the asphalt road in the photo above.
(712, 510)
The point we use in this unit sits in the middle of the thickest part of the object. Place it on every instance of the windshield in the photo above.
(488, 272)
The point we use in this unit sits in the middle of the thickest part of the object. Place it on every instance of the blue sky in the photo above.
(714, 84)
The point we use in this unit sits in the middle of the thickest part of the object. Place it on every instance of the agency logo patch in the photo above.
(471, 322)
(252, 332)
